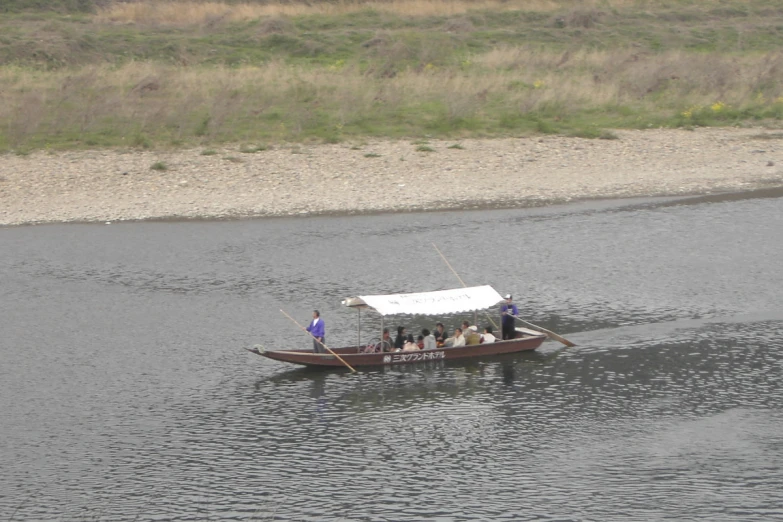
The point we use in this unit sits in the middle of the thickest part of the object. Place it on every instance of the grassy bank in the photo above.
(161, 74)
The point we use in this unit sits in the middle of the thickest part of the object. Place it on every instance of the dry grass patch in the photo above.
(186, 12)
(148, 105)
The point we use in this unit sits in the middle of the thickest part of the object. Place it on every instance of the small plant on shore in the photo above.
(586, 133)
(424, 148)
(233, 159)
(769, 136)
(251, 149)
(203, 127)
(456, 146)
(208, 152)
(544, 127)
(689, 112)
(141, 140)
(331, 138)
(159, 165)
(372, 155)
(608, 135)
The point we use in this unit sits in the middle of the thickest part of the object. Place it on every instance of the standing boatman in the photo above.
(317, 330)
(508, 311)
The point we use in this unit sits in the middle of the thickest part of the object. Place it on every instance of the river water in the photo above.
(127, 394)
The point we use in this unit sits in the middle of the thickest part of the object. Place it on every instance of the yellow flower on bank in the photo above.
(718, 106)
(538, 84)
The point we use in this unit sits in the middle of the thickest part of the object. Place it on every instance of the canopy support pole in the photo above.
(359, 333)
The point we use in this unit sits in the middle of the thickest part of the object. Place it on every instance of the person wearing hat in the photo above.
(468, 332)
(318, 331)
(472, 336)
(507, 312)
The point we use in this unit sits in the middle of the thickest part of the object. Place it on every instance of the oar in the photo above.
(551, 334)
(319, 342)
(460, 279)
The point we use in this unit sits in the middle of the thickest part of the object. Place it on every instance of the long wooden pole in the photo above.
(551, 334)
(458, 277)
(449, 265)
(319, 342)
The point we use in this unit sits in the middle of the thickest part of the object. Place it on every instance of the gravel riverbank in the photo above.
(382, 176)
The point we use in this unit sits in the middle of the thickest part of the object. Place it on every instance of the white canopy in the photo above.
(430, 303)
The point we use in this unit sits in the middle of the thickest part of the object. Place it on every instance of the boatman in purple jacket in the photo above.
(507, 311)
(317, 330)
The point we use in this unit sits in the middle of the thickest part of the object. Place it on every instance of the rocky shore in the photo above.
(382, 176)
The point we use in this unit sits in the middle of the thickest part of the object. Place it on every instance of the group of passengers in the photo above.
(466, 335)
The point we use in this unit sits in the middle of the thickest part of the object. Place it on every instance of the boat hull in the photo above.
(351, 356)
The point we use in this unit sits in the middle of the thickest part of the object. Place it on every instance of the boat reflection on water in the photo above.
(391, 385)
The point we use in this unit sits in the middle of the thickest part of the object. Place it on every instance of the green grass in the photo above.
(71, 80)
(251, 149)
(59, 6)
(384, 42)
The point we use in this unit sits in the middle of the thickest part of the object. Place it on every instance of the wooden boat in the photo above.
(427, 303)
(352, 356)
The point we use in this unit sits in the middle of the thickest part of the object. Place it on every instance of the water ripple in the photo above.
(127, 395)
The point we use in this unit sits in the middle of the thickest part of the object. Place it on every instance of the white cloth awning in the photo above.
(430, 303)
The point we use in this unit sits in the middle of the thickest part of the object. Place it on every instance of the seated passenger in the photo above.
(487, 336)
(440, 334)
(400, 339)
(410, 347)
(429, 340)
(384, 345)
(387, 345)
(457, 340)
(472, 337)
(420, 342)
